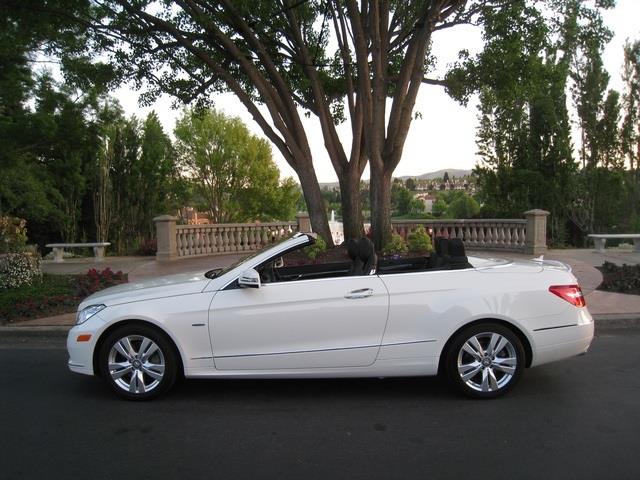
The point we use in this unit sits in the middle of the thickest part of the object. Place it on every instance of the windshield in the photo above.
(216, 272)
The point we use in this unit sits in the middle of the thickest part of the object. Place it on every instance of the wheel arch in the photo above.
(526, 344)
(126, 322)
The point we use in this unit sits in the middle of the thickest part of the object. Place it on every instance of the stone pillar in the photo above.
(304, 223)
(166, 238)
(536, 236)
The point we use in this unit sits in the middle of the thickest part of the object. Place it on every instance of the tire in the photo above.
(485, 360)
(138, 362)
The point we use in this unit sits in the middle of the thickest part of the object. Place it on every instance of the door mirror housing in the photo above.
(249, 279)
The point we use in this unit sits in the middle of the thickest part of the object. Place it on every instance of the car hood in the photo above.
(158, 287)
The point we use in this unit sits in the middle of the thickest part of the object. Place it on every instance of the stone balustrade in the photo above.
(480, 234)
(526, 235)
(210, 239)
(178, 241)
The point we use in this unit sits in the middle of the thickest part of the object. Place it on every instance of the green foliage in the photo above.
(17, 269)
(455, 204)
(419, 240)
(316, 249)
(524, 137)
(47, 295)
(143, 178)
(53, 294)
(403, 201)
(414, 216)
(439, 207)
(464, 206)
(624, 279)
(630, 129)
(13, 234)
(232, 170)
(395, 246)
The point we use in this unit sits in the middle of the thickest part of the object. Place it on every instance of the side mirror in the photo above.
(249, 279)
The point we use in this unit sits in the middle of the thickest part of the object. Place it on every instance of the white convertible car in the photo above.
(480, 322)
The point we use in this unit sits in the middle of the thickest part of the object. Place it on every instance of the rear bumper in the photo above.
(563, 342)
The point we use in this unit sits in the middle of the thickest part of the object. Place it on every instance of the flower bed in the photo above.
(624, 279)
(54, 294)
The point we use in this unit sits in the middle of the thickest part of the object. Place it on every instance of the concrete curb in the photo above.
(35, 331)
(617, 320)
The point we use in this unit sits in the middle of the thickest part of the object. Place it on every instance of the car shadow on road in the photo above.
(347, 389)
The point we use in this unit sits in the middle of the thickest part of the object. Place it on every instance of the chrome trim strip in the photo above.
(322, 349)
(553, 328)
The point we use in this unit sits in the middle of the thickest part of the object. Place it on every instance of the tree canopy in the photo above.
(336, 60)
(231, 169)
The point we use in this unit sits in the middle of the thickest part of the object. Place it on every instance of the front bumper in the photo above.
(81, 352)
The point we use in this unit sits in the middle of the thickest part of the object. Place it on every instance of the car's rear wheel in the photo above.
(138, 362)
(485, 360)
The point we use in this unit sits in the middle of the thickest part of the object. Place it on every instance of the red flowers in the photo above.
(95, 280)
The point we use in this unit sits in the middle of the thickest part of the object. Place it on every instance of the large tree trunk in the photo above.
(380, 189)
(351, 206)
(315, 204)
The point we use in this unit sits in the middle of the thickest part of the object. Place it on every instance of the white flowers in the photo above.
(17, 269)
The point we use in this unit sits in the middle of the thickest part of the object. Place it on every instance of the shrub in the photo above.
(13, 234)
(17, 269)
(96, 280)
(148, 248)
(624, 279)
(419, 240)
(316, 249)
(395, 246)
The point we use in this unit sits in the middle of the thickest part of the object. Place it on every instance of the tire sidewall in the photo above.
(170, 372)
(451, 366)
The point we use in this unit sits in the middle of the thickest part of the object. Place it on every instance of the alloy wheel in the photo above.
(136, 364)
(487, 362)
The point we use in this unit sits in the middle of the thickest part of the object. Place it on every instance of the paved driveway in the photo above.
(576, 419)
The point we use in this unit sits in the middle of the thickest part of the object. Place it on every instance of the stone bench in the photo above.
(600, 239)
(58, 249)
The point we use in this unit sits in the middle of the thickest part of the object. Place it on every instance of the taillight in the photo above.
(570, 293)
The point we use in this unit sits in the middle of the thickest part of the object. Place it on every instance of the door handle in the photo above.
(362, 293)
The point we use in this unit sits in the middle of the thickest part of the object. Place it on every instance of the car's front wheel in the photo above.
(485, 360)
(138, 362)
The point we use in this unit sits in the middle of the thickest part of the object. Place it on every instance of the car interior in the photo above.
(361, 259)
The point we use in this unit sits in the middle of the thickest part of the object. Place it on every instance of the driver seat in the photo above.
(356, 263)
(367, 253)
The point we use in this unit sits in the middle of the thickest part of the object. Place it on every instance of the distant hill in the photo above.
(453, 172)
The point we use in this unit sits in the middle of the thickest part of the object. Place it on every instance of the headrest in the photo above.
(352, 248)
(442, 246)
(456, 247)
(365, 248)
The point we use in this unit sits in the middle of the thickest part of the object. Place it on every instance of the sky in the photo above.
(445, 135)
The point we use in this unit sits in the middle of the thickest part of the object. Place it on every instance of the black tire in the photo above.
(479, 371)
(149, 369)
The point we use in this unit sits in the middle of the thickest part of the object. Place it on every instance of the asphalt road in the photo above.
(575, 419)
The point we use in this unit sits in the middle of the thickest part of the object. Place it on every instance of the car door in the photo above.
(302, 324)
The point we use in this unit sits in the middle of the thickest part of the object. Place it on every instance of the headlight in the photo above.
(88, 312)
